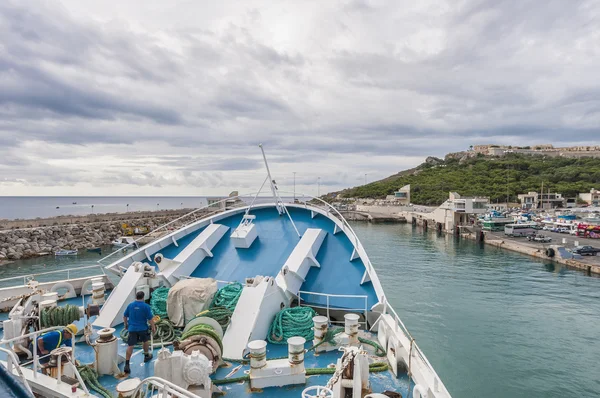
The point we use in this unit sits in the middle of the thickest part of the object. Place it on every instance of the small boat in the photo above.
(124, 241)
(64, 252)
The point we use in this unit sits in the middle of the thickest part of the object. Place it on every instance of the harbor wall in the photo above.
(30, 238)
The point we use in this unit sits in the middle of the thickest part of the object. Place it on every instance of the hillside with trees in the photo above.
(494, 177)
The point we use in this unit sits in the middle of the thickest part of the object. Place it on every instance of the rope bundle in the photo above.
(59, 316)
(90, 378)
(227, 296)
(290, 322)
(219, 314)
(165, 332)
(205, 330)
(158, 302)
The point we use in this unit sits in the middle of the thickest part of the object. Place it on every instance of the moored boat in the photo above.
(65, 252)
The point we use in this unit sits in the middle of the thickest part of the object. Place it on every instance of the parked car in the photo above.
(573, 232)
(586, 250)
(563, 230)
(539, 238)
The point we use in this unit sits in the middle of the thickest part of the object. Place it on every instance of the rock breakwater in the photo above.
(20, 243)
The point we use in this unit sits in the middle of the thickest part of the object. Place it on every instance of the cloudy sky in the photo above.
(154, 97)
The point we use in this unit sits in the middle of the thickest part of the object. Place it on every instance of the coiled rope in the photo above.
(205, 330)
(59, 316)
(220, 314)
(165, 332)
(90, 378)
(158, 301)
(227, 296)
(290, 322)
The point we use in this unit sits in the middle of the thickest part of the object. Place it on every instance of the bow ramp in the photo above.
(263, 297)
(142, 275)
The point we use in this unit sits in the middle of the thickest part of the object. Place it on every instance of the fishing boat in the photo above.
(271, 299)
(124, 241)
(65, 252)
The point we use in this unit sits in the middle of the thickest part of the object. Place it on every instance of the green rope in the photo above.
(374, 367)
(227, 296)
(158, 301)
(220, 314)
(290, 322)
(90, 378)
(59, 316)
(165, 332)
(205, 330)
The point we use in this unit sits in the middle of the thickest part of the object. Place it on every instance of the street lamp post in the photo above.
(157, 206)
(127, 207)
(318, 186)
(294, 186)
(365, 178)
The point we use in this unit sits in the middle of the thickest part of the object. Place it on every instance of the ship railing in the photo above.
(400, 326)
(29, 277)
(332, 297)
(349, 231)
(13, 362)
(157, 387)
(35, 362)
(206, 211)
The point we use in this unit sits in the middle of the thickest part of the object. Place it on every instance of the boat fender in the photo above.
(550, 252)
(420, 392)
(158, 258)
(64, 285)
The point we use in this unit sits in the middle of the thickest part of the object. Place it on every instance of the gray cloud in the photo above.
(180, 95)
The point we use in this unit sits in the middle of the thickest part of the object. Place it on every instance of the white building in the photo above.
(458, 210)
(592, 198)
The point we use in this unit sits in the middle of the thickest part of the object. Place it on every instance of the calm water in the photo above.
(24, 207)
(13, 207)
(493, 323)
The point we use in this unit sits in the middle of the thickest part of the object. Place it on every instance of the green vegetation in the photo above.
(488, 176)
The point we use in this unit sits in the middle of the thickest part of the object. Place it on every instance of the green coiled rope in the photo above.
(290, 322)
(90, 378)
(220, 314)
(227, 296)
(158, 301)
(202, 329)
(59, 316)
(165, 332)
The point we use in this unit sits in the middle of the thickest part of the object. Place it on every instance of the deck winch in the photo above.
(185, 370)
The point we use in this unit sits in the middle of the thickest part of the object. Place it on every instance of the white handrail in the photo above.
(67, 270)
(193, 212)
(155, 385)
(34, 335)
(11, 361)
(328, 307)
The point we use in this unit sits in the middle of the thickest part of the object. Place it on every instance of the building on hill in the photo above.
(401, 197)
(591, 198)
(536, 200)
(539, 149)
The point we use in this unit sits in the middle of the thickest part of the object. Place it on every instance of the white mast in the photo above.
(281, 209)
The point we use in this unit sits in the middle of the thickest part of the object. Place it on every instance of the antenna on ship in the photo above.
(281, 209)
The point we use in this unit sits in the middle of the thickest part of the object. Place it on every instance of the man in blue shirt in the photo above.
(136, 318)
(52, 340)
